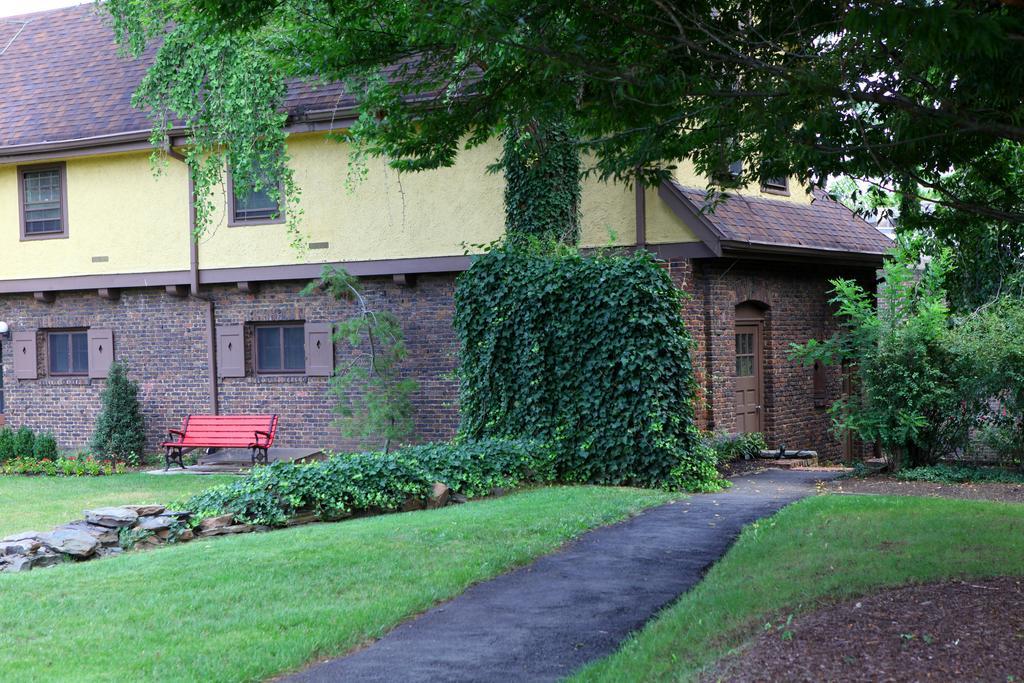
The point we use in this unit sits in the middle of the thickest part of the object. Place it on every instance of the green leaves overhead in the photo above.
(589, 354)
(893, 91)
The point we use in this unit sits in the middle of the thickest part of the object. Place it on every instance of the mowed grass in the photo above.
(246, 607)
(40, 503)
(821, 550)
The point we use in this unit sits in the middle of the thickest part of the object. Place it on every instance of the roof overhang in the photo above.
(785, 252)
(717, 244)
(691, 216)
(139, 140)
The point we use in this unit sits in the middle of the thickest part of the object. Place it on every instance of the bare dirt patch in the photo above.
(971, 630)
(890, 486)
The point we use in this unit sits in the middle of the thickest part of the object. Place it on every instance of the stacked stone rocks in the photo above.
(112, 530)
(100, 534)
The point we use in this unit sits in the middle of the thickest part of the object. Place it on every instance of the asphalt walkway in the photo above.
(546, 620)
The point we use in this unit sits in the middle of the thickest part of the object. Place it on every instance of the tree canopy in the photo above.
(893, 91)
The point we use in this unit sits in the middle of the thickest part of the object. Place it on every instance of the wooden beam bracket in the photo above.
(180, 291)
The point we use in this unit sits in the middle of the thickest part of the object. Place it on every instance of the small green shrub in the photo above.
(120, 432)
(372, 482)
(730, 447)
(919, 395)
(697, 472)
(24, 443)
(45, 447)
(960, 474)
(6, 444)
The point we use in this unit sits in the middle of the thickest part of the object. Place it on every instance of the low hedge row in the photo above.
(61, 467)
(960, 474)
(374, 482)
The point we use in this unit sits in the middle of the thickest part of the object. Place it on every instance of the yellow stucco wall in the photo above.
(433, 213)
(686, 175)
(116, 209)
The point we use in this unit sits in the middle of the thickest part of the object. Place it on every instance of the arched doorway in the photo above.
(749, 367)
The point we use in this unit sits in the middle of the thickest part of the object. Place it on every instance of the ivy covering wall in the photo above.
(589, 354)
(541, 163)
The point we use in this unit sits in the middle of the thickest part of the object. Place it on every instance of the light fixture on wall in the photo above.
(5, 330)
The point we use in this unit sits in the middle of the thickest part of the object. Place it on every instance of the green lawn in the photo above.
(827, 548)
(40, 503)
(246, 607)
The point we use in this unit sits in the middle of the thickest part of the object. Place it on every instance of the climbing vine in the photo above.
(588, 353)
(541, 163)
(222, 92)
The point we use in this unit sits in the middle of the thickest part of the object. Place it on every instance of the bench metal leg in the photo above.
(173, 454)
(259, 454)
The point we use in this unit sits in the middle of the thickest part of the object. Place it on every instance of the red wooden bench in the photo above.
(255, 432)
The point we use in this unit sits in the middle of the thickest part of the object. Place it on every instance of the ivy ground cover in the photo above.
(247, 607)
(816, 552)
(40, 503)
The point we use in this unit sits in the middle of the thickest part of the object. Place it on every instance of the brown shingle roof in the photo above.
(63, 80)
(823, 225)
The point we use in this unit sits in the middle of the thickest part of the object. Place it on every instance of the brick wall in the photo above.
(162, 339)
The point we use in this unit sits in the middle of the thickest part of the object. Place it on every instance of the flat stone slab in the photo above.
(239, 460)
(544, 621)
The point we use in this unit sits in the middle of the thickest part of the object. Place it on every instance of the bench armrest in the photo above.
(176, 431)
(261, 433)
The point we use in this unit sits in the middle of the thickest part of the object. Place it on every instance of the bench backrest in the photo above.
(228, 431)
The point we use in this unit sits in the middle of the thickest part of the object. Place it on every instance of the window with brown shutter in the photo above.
(819, 391)
(319, 349)
(101, 351)
(25, 354)
(230, 351)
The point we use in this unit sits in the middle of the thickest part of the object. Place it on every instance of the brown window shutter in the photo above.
(230, 351)
(820, 392)
(101, 351)
(25, 355)
(319, 349)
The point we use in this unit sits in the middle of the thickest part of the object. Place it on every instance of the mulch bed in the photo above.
(890, 486)
(956, 631)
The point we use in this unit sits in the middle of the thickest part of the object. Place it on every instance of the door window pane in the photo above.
(745, 355)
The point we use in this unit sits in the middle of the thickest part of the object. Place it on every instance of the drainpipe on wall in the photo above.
(193, 262)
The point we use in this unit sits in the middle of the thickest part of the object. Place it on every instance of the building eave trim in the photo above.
(691, 216)
(289, 272)
(798, 252)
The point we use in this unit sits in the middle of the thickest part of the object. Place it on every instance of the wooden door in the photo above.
(749, 377)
